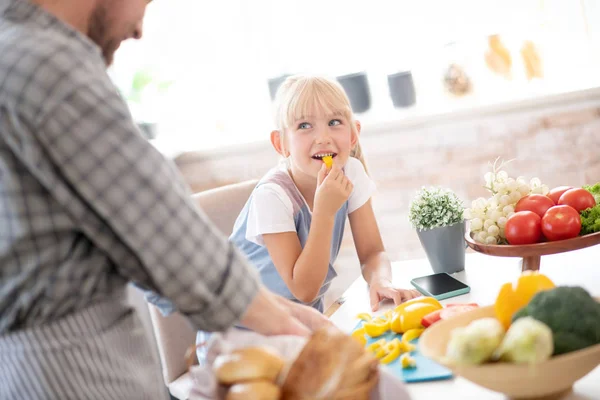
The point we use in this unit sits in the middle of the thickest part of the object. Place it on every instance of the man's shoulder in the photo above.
(40, 67)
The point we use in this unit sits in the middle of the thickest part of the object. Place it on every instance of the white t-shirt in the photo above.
(271, 209)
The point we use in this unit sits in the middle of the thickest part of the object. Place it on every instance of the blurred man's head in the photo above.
(113, 21)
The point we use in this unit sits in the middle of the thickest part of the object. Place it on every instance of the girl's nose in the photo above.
(323, 136)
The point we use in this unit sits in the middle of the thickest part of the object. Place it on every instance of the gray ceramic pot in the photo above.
(445, 247)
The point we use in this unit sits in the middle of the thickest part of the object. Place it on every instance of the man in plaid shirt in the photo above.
(86, 206)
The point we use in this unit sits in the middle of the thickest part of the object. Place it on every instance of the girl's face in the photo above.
(311, 137)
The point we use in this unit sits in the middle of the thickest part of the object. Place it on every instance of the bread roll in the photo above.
(250, 363)
(254, 390)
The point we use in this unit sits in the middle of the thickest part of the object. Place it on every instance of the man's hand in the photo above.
(310, 317)
(383, 289)
(270, 316)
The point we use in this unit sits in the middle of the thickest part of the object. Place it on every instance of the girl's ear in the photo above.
(355, 134)
(277, 142)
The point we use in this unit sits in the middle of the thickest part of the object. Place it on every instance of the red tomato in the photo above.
(524, 227)
(555, 193)
(431, 318)
(436, 316)
(537, 203)
(561, 222)
(579, 199)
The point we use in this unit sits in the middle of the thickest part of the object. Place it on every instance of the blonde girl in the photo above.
(292, 226)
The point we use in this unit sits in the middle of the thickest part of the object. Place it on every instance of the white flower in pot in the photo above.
(437, 215)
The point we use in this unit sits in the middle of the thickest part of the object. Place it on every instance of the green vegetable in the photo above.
(570, 312)
(590, 220)
(595, 190)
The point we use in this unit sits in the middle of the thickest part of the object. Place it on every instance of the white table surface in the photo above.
(484, 274)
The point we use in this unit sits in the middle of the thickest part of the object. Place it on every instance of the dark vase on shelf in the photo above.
(274, 84)
(402, 89)
(357, 88)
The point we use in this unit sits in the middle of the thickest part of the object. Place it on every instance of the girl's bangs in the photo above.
(317, 97)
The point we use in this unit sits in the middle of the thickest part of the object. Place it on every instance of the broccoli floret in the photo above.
(595, 190)
(570, 312)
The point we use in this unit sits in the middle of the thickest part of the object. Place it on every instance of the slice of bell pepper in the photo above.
(359, 335)
(412, 334)
(328, 160)
(376, 327)
(393, 349)
(407, 361)
(364, 316)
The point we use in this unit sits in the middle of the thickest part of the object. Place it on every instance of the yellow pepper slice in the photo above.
(364, 316)
(512, 298)
(393, 348)
(412, 334)
(407, 361)
(376, 327)
(376, 346)
(328, 160)
(359, 335)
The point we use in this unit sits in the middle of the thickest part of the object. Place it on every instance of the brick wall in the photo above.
(558, 143)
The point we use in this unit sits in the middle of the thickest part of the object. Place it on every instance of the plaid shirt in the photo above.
(86, 203)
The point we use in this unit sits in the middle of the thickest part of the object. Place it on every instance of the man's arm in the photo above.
(138, 210)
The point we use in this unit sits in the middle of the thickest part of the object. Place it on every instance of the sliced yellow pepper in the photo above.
(328, 160)
(359, 335)
(512, 298)
(412, 334)
(376, 327)
(376, 346)
(410, 316)
(393, 348)
(364, 316)
(407, 361)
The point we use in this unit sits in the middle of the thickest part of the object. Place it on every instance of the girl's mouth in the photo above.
(319, 156)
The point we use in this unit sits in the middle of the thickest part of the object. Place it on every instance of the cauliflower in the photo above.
(528, 341)
(475, 343)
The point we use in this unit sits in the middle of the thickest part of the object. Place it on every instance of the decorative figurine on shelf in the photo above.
(532, 60)
(498, 57)
(457, 81)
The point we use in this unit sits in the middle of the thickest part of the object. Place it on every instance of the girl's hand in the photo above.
(333, 189)
(383, 289)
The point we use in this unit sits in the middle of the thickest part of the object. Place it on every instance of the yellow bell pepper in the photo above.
(425, 300)
(364, 316)
(328, 160)
(407, 361)
(393, 350)
(376, 327)
(412, 334)
(410, 316)
(359, 335)
(375, 347)
(513, 297)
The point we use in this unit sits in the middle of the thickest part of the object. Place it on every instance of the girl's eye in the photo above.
(304, 125)
(335, 122)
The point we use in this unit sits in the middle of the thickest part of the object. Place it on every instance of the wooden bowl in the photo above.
(531, 253)
(548, 380)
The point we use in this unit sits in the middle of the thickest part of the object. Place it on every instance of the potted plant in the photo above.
(437, 215)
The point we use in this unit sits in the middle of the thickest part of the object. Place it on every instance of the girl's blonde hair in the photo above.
(300, 95)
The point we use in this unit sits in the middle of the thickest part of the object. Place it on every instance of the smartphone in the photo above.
(440, 286)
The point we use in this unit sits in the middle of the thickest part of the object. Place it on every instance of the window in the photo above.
(202, 69)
